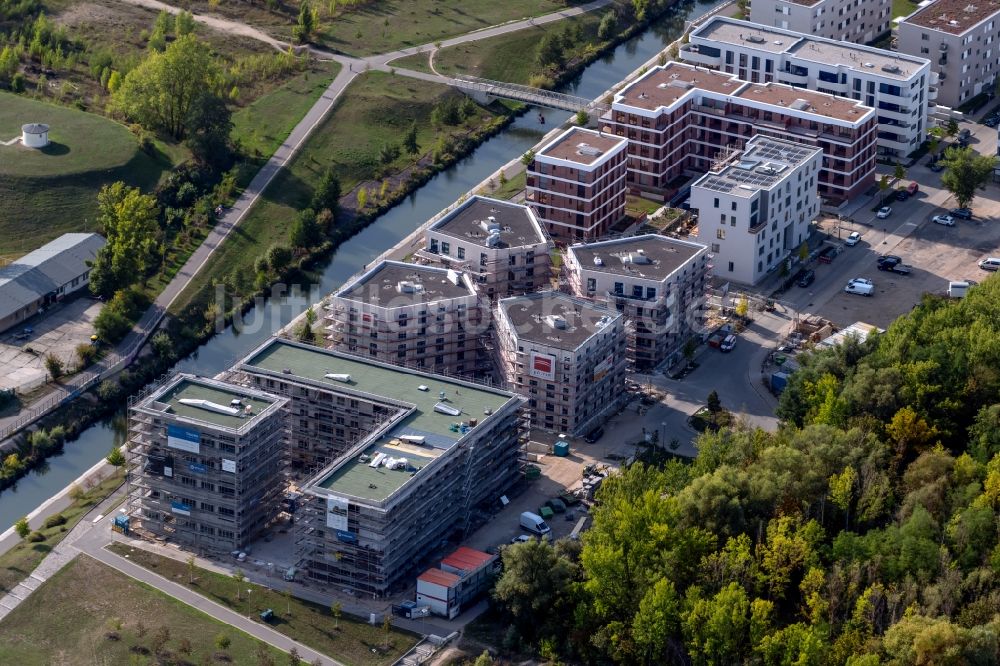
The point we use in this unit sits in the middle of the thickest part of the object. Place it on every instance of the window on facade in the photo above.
(619, 288)
(720, 234)
(461, 253)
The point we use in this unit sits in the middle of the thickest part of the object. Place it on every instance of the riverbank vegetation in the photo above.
(18, 562)
(88, 613)
(350, 638)
(863, 531)
(386, 135)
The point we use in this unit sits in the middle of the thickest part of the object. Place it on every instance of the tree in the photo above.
(22, 528)
(716, 630)
(54, 366)
(115, 457)
(656, 621)
(582, 117)
(327, 194)
(163, 346)
(965, 172)
(386, 629)
(306, 333)
(410, 139)
(183, 23)
(550, 51)
(305, 232)
(239, 578)
(161, 91)
(714, 404)
(303, 30)
(528, 158)
(804, 251)
(208, 125)
(128, 219)
(278, 257)
(842, 491)
(293, 657)
(336, 608)
(534, 583)
(899, 171)
(742, 306)
(362, 198)
(191, 568)
(222, 642)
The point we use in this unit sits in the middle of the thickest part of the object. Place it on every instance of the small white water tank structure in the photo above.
(34, 135)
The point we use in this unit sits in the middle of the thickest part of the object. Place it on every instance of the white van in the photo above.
(990, 264)
(861, 286)
(958, 289)
(534, 523)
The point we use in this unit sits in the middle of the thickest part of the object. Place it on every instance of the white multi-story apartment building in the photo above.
(407, 314)
(896, 85)
(754, 208)
(500, 243)
(961, 39)
(565, 354)
(678, 118)
(844, 20)
(657, 282)
(576, 183)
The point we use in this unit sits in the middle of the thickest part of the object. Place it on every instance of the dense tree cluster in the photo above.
(864, 531)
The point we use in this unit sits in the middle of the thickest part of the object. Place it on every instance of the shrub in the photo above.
(86, 354)
(36, 537)
(54, 521)
(54, 365)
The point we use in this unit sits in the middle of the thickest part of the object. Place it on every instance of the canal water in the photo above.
(438, 193)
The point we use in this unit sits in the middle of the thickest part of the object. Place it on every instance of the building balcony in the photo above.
(932, 93)
(900, 113)
(792, 79)
(692, 53)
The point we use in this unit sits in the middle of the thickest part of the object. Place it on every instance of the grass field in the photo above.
(509, 57)
(18, 562)
(55, 190)
(903, 7)
(387, 25)
(261, 126)
(514, 185)
(80, 142)
(375, 110)
(353, 642)
(68, 621)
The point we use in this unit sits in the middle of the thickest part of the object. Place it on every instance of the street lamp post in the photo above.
(249, 604)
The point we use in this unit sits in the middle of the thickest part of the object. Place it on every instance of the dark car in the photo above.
(594, 435)
(807, 278)
(937, 167)
(888, 262)
(902, 195)
(962, 213)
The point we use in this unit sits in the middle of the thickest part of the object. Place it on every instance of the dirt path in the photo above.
(220, 24)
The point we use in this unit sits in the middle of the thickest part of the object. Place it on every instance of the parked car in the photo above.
(883, 212)
(827, 255)
(728, 344)
(913, 187)
(521, 538)
(946, 220)
(861, 286)
(962, 213)
(990, 263)
(887, 262)
(806, 278)
(937, 167)
(594, 435)
(902, 195)
(853, 239)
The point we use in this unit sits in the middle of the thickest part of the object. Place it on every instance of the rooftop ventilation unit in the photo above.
(210, 406)
(636, 258)
(799, 105)
(587, 149)
(337, 376)
(493, 240)
(598, 261)
(755, 39)
(413, 439)
(409, 287)
(442, 408)
(423, 387)
(678, 83)
(870, 65)
(490, 225)
(892, 69)
(453, 276)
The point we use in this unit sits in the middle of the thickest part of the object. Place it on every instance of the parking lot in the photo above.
(58, 331)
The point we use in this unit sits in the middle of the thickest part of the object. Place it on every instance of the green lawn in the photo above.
(18, 562)
(69, 620)
(47, 193)
(509, 57)
(514, 185)
(351, 641)
(375, 110)
(264, 124)
(903, 7)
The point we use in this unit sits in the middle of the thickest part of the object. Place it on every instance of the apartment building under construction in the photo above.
(206, 462)
(396, 460)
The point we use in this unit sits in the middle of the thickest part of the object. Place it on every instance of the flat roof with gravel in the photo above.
(471, 222)
(582, 146)
(953, 16)
(556, 319)
(394, 283)
(650, 256)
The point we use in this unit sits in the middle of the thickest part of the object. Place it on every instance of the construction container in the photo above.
(561, 449)
(545, 512)
(557, 505)
(531, 472)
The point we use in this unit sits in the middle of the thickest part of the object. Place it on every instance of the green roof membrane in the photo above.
(187, 389)
(388, 382)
